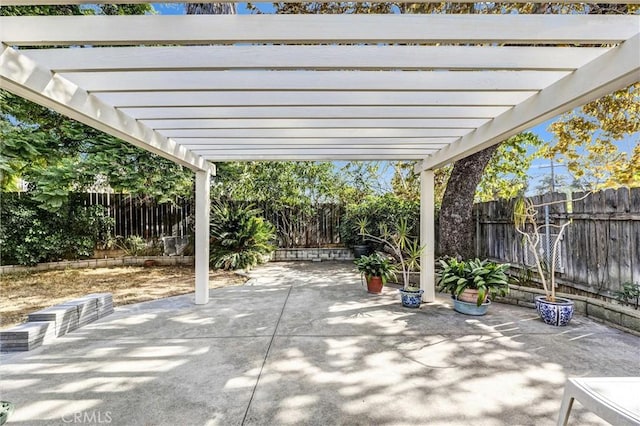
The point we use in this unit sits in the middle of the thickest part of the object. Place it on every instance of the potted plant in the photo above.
(472, 283)
(360, 246)
(406, 251)
(376, 269)
(553, 310)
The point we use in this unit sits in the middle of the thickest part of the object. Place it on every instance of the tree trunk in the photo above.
(456, 236)
(211, 8)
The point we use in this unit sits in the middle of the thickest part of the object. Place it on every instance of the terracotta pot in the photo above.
(374, 285)
(470, 295)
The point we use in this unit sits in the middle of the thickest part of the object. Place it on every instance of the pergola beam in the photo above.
(327, 155)
(316, 123)
(195, 135)
(310, 98)
(21, 76)
(465, 81)
(616, 69)
(314, 112)
(292, 29)
(329, 143)
(293, 57)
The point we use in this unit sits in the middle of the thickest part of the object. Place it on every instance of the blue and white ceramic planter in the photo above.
(411, 299)
(557, 313)
(468, 308)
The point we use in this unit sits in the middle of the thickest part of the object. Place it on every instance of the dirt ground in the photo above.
(23, 293)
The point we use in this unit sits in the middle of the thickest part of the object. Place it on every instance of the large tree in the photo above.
(456, 221)
(57, 155)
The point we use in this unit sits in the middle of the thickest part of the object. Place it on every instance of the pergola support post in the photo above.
(203, 207)
(427, 235)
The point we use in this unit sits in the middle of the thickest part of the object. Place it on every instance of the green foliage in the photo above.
(133, 245)
(58, 156)
(30, 234)
(377, 210)
(488, 278)
(506, 173)
(105, 9)
(376, 265)
(588, 140)
(240, 237)
(358, 180)
(629, 295)
(282, 184)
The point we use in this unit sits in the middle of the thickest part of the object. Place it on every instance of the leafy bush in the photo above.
(134, 245)
(240, 237)
(378, 210)
(30, 234)
(629, 295)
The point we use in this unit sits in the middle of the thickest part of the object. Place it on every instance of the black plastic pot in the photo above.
(361, 250)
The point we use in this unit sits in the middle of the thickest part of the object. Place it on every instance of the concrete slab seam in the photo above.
(266, 355)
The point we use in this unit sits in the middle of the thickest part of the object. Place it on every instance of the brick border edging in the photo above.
(617, 316)
(99, 263)
(311, 253)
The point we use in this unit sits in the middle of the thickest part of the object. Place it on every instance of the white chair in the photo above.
(614, 399)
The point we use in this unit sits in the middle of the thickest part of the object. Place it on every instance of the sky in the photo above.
(540, 167)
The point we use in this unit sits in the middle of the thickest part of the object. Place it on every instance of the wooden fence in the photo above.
(599, 251)
(318, 226)
(144, 217)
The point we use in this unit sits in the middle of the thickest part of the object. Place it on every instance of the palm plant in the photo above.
(241, 238)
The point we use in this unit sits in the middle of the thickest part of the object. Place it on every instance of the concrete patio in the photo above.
(305, 344)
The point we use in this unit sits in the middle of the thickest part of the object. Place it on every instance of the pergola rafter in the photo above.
(316, 87)
(315, 29)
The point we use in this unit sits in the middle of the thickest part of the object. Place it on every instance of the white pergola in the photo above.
(210, 88)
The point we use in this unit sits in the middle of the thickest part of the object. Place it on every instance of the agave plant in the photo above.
(240, 237)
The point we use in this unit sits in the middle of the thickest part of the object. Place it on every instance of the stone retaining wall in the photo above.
(290, 254)
(617, 316)
(100, 263)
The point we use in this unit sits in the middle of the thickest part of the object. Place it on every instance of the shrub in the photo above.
(629, 295)
(378, 210)
(30, 234)
(240, 237)
(133, 245)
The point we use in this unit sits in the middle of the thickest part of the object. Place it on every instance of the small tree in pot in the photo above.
(552, 310)
(406, 250)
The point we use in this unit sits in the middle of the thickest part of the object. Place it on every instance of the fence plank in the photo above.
(600, 249)
(634, 198)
